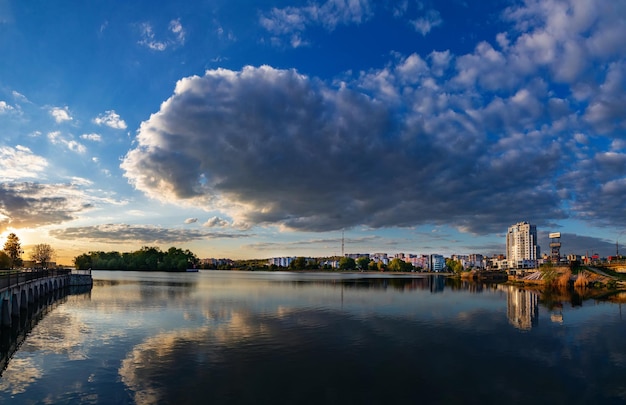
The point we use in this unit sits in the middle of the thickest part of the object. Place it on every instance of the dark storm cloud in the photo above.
(123, 233)
(25, 205)
(580, 244)
(283, 148)
(490, 142)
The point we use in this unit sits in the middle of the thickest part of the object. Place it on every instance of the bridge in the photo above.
(21, 289)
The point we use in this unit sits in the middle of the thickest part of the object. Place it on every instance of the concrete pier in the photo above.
(20, 290)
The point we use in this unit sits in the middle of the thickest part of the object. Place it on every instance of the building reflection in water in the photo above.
(522, 308)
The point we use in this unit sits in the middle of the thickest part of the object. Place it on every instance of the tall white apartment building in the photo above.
(521, 246)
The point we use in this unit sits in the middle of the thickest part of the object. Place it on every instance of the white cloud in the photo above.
(191, 220)
(60, 114)
(20, 163)
(565, 35)
(177, 29)
(19, 97)
(81, 181)
(4, 107)
(76, 147)
(111, 119)
(175, 36)
(400, 8)
(56, 138)
(440, 62)
(148, 40)
(92, 137)
(425, 24)
(291, 21)
(215, 222)
(412, 68)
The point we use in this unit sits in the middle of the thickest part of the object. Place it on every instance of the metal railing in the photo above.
(10, 278)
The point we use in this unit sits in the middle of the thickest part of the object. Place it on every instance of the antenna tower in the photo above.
(342, 244)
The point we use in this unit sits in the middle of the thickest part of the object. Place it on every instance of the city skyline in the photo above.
(260, 131)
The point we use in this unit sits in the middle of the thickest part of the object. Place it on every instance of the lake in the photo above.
(317, 338)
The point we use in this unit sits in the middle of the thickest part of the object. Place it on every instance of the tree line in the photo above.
(145, 259)
(362, 263)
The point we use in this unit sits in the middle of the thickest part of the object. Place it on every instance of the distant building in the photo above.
(496, 262)
(477, 261)
(422, 261)
(521, 246)
(574, 258)
(280, 261)
(437, 263)
(32, 264)
(380, 258)
(473, 261)
(357, 255)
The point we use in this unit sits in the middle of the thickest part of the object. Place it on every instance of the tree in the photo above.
(42, 253)
(299, 263)
(381, 266)
(455, 266)
(362, 262)
(83, 262)
(400, 265)
(13, 249)
(5, 260)
(145, 259)
(347, 263)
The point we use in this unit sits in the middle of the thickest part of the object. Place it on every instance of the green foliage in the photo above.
(398, 265)
(347, 263)
(381, 266)
(5, 260)
(575, 266)
(298, 264)
(147, 258)
(13, 249)
(455, 266)
(363, 262)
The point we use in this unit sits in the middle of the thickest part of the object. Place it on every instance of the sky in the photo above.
(246, 129)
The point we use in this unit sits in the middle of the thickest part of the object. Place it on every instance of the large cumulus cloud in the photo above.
(526, 127)
(274, 146)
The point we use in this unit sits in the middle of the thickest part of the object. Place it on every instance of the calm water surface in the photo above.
(317, 338)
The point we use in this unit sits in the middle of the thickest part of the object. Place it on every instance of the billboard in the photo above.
(555, 235)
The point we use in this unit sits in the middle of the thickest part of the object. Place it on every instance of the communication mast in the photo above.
(555, 245)
(342, 253)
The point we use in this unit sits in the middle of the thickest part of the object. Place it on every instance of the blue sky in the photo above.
(257, 129)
